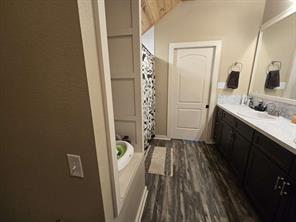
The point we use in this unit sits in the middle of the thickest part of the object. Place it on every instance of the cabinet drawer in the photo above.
(279, 154)
(244, 130)
(229, 119)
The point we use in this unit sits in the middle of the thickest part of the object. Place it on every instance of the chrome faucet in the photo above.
(272, 109)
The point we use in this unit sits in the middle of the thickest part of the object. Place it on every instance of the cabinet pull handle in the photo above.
(276, 185)
(283, 192)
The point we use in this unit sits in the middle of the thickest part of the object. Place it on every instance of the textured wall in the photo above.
(45, 113)
(236, 23)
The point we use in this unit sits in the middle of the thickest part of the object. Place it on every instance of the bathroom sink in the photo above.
(257, 115)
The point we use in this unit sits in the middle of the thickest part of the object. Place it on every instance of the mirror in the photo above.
(275, 63)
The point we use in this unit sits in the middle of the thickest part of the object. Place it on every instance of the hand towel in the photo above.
(272, 79)
(233, 80)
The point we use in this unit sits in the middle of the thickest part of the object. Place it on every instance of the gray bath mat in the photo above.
(160, 161)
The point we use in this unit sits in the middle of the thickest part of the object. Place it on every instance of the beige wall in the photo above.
(236, 23)
(275, 7)
(45, 113)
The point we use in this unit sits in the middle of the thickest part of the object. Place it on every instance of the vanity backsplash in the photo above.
(230, 99)
(286, 110)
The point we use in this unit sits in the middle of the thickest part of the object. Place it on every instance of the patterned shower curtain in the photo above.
(148, 76)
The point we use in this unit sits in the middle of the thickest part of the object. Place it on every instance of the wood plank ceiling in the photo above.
(154, 10)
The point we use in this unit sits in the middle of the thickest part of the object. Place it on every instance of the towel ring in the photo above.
(237, 65)
(274, 64)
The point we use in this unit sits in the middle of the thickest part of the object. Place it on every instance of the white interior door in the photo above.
(190, 89)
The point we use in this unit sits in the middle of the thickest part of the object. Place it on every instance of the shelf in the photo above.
(126, 176)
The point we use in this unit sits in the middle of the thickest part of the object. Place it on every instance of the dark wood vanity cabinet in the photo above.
(234, 142)
(266, 170)
(269, 181)
(263, 184)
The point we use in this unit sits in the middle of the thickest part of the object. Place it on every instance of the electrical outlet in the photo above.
(75, 165)
(221, 85)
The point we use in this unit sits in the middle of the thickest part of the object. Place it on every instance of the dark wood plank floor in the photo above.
(201, 189)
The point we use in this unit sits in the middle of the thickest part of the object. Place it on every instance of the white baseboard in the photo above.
(164, 137)
(142, 205)
(161, 137)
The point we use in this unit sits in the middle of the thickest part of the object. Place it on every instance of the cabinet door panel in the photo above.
(287, 209)
(226, 140)
(291, 214)
(218, 126)
(283, 157)
(262, 176)
(293, 170)
(239, 157)
(245, 130)
(217, 133)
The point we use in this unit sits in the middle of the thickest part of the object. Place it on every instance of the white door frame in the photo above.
(217, 45)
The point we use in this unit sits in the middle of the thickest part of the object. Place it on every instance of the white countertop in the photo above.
(280, 130)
